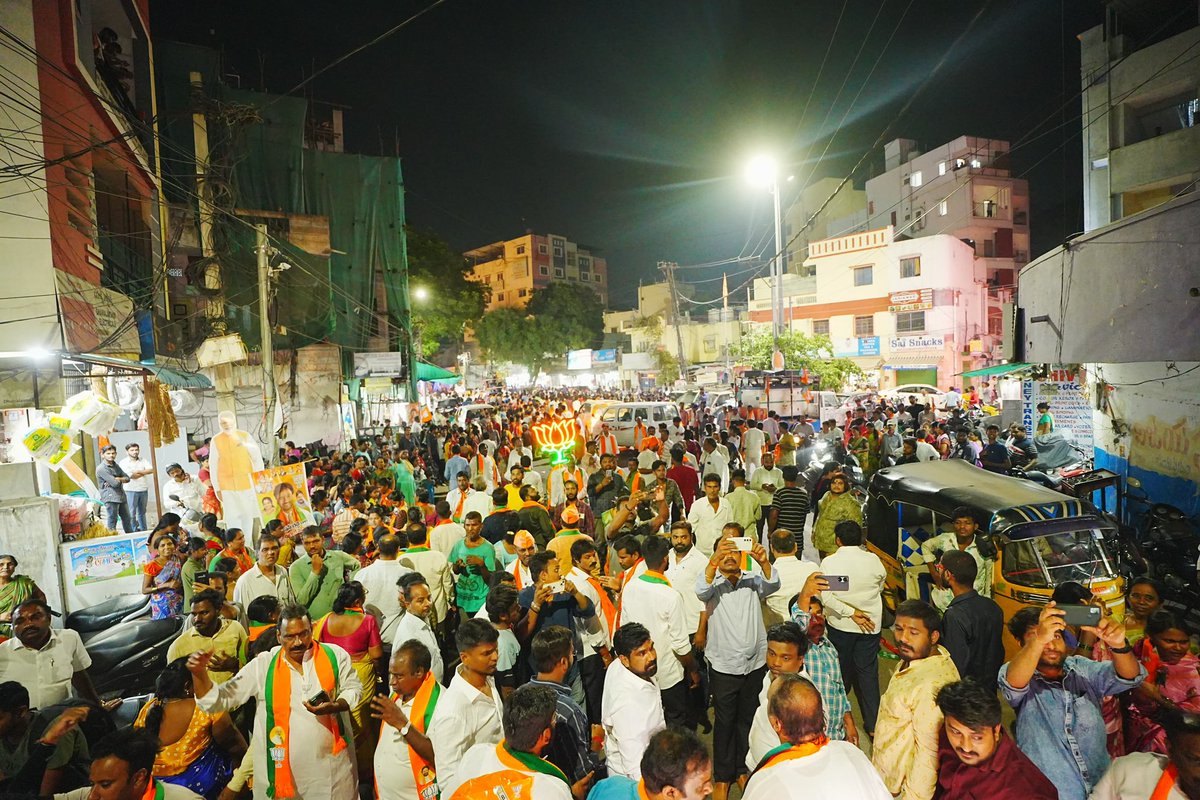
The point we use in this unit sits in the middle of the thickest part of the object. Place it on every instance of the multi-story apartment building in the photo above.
(79, 222)
(512, 269)
(964, 189)
(1141, 109)
(912, 310)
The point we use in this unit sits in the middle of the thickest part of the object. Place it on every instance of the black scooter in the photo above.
(128, 649)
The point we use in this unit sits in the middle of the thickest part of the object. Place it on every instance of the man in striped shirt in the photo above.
(789, 507)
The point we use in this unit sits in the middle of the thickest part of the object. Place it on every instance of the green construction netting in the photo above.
(323, 298)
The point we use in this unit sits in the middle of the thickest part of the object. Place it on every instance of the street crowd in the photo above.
(579, 630)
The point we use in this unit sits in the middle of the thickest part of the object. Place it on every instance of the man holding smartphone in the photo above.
(736, 648)
(553, 600)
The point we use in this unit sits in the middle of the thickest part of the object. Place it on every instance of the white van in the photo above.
(471, 412)
(621, 419)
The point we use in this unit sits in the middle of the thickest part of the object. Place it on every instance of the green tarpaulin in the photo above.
(432, 372)
(998, 369)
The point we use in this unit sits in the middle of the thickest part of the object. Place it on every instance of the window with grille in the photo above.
(910, 267)
(864, 326)
(910, 322)
(821, 327)
(864, 276)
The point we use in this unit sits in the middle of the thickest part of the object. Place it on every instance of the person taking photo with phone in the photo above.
(553, 600)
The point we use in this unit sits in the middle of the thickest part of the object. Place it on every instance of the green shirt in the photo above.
(187, 575)
(470, 586)
(71, 752)
(318, 591)
(746, 508)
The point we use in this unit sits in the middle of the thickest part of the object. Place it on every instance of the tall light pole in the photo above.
(763, 171)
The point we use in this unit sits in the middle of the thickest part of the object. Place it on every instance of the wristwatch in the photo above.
(404, 731)
(1126, 648)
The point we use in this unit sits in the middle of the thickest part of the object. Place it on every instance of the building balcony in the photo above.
(127, 269)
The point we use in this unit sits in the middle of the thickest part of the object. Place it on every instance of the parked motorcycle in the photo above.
(128, 649)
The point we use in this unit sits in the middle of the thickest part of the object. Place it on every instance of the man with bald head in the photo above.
(807, 764)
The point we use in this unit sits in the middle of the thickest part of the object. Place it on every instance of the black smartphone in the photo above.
(838, 583)
(200, 577)
(1081, 615)
(319, 698)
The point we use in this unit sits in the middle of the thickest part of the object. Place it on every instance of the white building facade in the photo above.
(909, 311)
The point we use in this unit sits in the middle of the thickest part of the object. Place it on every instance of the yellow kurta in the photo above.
(906, 735)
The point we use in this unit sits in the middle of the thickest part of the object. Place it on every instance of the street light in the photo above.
(762, 171)
(420, 293)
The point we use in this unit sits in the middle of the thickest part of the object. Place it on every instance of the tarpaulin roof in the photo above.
(432, 372)
(175, 378)
(997, 369)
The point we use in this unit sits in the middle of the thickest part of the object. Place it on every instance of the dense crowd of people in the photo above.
(564, 631)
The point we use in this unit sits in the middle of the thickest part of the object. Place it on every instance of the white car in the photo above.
(909, 389)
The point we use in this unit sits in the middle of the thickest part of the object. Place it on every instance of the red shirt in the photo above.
(1008, 775)
(688, 481)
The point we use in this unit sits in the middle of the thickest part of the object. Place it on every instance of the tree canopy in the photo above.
(559, 317)
(800, 351)
(453, 300)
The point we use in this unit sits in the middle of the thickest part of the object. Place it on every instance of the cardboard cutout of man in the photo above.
(232, 456)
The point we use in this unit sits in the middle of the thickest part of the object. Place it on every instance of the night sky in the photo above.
(625, 124)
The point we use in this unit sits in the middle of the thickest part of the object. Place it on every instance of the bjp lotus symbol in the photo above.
(555, 439)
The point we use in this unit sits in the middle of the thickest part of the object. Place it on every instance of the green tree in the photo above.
(800, 351)
(508, 334)
(667, 366)
(453, 300)
(571, 315)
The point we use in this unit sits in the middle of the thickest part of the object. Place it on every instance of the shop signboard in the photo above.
(366, 364)
(860, 346)
(917, 342)
(1069, 406)
(579, 359)
(606, 356)
(911, 300)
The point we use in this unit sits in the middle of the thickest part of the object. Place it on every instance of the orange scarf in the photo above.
(281, 783)
(626, 577)
(1162, 790)
(420, 714)
(789, 752)
(606, 605)
(462, 498)
(608, 444)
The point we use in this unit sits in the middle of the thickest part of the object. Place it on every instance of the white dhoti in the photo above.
(240, 510)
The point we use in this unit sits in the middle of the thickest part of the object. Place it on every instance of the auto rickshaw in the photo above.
(1038, 537)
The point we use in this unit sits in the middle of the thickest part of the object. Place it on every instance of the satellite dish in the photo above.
(185, 403)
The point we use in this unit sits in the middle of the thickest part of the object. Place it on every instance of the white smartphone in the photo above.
(558, 587)
(743, 543)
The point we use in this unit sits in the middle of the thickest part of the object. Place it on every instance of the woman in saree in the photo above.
(837, 505)
(14, 590)
(162, 579)
(1172, 683)
(196, 749)
(1143, 597)
(356, 632)
(209, 504)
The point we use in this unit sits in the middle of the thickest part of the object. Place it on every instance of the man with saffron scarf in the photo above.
(515, 767)
(807, 763)
(302, 746)
(404, 759)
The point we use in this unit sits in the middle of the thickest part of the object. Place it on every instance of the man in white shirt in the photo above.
(596, 633)
(456, 498)
(709, 514)
(684, 563)
(469, 710)
(765, 481)
(484, 466)
(651, 600)
(793, 572)
(633, 710)
(714, 462)
(480, 500)
(266, 577)
(318, 767)
(183, 494)
(48, 663)
(379, 578)
(526, 547)
(402, 735)
(804, 768)
(926, 452)
(138, 489)
(516, 768)
(416, 600)
(533, 477)
(854, 616)
(446, 532)
(434, 566)
(753, 443)
(1138, 776)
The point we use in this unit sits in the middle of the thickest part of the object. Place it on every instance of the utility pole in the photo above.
(669, 267)
(266, 343)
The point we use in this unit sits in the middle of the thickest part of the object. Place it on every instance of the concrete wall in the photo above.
(1149, 427)
(1129, 292)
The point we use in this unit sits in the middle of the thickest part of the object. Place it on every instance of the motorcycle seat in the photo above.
(107, 614)
(113, 646)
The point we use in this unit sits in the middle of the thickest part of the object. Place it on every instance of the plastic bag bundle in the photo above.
(91, 413)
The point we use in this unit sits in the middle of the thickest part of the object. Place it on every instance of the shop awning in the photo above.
(996, 369)
(432, 372)
(175, 378)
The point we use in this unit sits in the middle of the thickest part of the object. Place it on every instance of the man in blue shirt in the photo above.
(675, 759)
(1057, 697)
(736, 647)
